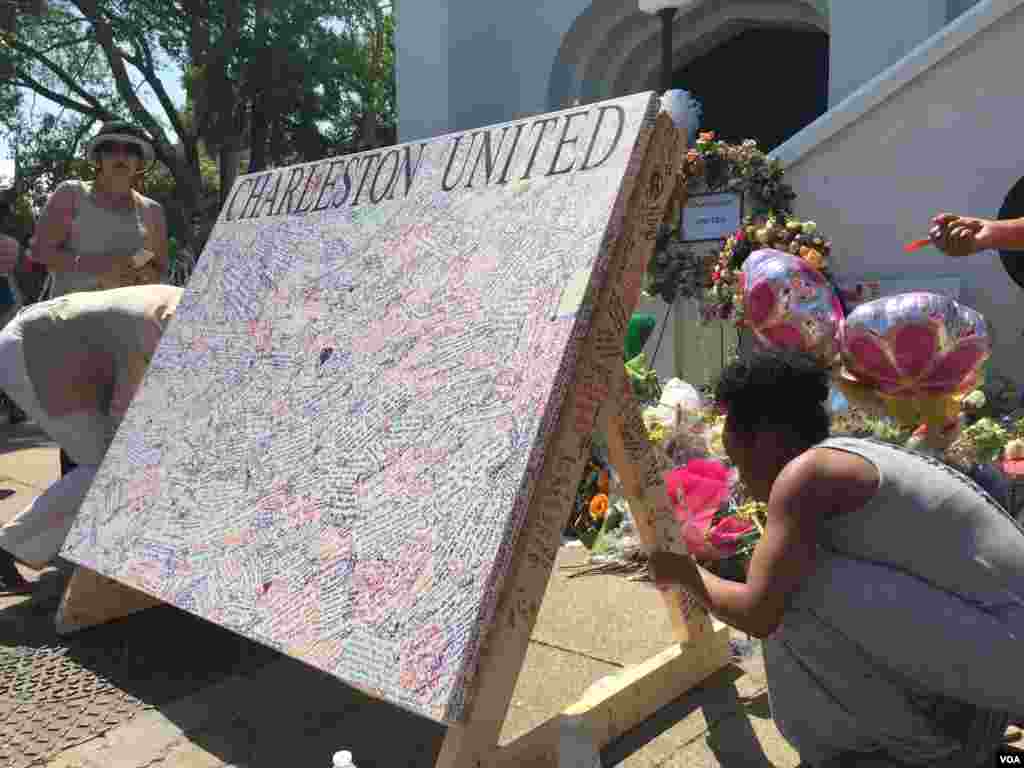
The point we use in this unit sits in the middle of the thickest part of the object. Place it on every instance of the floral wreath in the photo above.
(714, 277)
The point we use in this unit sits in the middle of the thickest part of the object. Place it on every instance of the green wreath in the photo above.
(710, 274)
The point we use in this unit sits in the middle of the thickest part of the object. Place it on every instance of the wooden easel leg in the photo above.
(90, 599)
(634, 460)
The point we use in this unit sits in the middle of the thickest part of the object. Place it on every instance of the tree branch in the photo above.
(95, 110)
(142, 61)
(65, 77)
(148, 70)
(115, 59)
(65, 43)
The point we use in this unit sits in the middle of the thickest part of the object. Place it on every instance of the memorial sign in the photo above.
(711, 217)
(339, 437)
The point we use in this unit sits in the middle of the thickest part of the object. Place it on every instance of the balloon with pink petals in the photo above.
(916, 344)
(789, 304)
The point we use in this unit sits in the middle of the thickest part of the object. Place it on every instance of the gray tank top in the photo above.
(119, 234)
(934, 522)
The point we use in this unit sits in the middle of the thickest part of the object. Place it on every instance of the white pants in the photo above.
(36, 535)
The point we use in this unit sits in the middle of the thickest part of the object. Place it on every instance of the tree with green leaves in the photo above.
(290, 81)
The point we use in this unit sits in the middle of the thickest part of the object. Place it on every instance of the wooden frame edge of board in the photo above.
(91, 599)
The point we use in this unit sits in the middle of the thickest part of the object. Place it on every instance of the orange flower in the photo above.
(813, 257)
(706, 136)
(599, 507)
(602, 481)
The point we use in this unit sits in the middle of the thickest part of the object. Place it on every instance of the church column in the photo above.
(868, 36)
(421, 68)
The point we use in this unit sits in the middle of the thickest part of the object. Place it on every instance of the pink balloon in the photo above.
(789, 304)
(760, 304)
(915, 344)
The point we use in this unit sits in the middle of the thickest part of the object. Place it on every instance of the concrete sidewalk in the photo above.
(286, 714)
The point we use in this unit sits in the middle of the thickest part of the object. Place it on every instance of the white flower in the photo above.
(677, 392)
(809, 228)
(976, 399)
(658, 415)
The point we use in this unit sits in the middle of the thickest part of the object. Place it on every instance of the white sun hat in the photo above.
(125, 133)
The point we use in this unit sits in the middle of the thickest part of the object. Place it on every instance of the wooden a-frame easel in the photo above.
(599, 398)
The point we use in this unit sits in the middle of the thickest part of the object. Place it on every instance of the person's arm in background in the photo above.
(10, 255)
(158, 238)
(963, 235)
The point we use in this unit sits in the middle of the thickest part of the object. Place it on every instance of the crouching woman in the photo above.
(73, 364)
(889, 587)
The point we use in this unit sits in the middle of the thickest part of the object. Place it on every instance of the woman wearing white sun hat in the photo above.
(104, 234)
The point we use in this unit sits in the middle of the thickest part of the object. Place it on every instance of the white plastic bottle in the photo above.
(577, 748)
(343, 759)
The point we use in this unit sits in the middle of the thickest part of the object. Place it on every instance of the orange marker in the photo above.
(916, 245)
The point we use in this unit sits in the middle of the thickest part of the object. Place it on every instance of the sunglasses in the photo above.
(113, 147)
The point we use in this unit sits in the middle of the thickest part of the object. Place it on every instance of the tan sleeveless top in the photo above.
(119, 234)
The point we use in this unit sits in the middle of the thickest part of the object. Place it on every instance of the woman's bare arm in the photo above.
(53, 230)
(9, 253)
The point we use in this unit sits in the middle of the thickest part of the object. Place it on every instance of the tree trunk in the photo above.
(258, 134)
(258, 115)
(228, 162)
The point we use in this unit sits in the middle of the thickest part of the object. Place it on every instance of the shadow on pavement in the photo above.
(291, 714)
(18, 437)
(271, 710)
(734, 747)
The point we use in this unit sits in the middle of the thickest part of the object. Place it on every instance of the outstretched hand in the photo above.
(960, 235)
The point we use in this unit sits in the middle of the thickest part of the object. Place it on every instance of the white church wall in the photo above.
(938, 131)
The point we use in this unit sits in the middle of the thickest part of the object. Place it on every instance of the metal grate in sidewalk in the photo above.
(57, 692)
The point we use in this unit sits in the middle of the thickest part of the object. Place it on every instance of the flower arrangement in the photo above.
(716, 166)
(713, 274)
(987, 440)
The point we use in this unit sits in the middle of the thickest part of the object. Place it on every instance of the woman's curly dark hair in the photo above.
(776, 389)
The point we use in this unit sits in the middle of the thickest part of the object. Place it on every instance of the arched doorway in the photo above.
(766, 83)
(613, 49)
